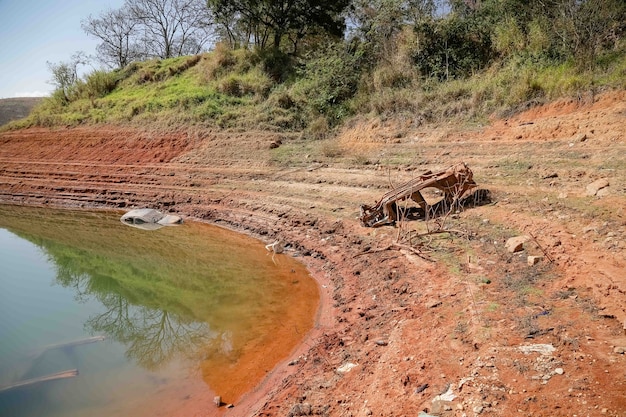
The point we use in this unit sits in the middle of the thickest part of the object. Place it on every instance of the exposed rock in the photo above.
(217, 401)
(603, 192)
(597, 185)
(620, 350)
(544, 349)
(559, 371)
(346, 367)
(516, 244)
(446, 396)
(534, 260)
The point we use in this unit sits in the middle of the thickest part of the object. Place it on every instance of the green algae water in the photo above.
(139, 323)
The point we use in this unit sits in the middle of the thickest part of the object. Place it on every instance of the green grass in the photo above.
(232, 90)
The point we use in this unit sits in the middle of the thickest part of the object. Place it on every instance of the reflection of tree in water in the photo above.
(153, 336)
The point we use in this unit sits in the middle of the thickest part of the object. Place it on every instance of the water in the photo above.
(186, 312)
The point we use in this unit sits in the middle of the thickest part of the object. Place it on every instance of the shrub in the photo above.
(327, 81)
(97, 84)
(452, 47)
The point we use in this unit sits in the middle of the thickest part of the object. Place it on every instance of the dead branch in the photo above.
(545, 252)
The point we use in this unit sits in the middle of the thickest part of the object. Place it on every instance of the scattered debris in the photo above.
(454, 182)
(276, 247)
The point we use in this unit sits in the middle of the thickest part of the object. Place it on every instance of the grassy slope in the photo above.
(229, 90)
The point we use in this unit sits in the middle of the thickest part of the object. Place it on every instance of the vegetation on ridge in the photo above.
(423, 59)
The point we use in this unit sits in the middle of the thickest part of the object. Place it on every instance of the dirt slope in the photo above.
(399, 325)
(16, 108)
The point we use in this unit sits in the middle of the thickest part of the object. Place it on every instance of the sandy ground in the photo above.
(450, 323)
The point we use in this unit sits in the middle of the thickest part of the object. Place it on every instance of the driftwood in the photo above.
(52, 377)
(454, 182)
(73, 343)
(78, 342)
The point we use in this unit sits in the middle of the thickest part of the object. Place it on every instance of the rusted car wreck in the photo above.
(454, 182)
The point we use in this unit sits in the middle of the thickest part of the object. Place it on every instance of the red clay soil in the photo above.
(452, 323)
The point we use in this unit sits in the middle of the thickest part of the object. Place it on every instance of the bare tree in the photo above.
(170, 28)
(117, 31)
(65, 74)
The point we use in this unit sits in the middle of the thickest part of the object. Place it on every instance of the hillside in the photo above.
(16, 108)
(453, 310)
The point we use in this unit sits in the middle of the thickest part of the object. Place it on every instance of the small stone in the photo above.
(217, 401)
(582, 137)
(559, 371)
(516, 244)
(534, 260)
(381, 342)
(604, 410)
(478, 409)
(620, 350)
(230, 406)
(346, 367)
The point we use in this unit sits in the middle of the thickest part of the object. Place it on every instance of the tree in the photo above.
(150, 29)
(170, 28)
(117, 31)
(584, 27)
(269, 21)
(65, 74)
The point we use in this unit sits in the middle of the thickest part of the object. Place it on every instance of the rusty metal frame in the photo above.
(454, 182)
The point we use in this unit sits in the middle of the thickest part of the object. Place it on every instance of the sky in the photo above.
(33, 32)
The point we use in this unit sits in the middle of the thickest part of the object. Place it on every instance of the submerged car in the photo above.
(149, 219)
